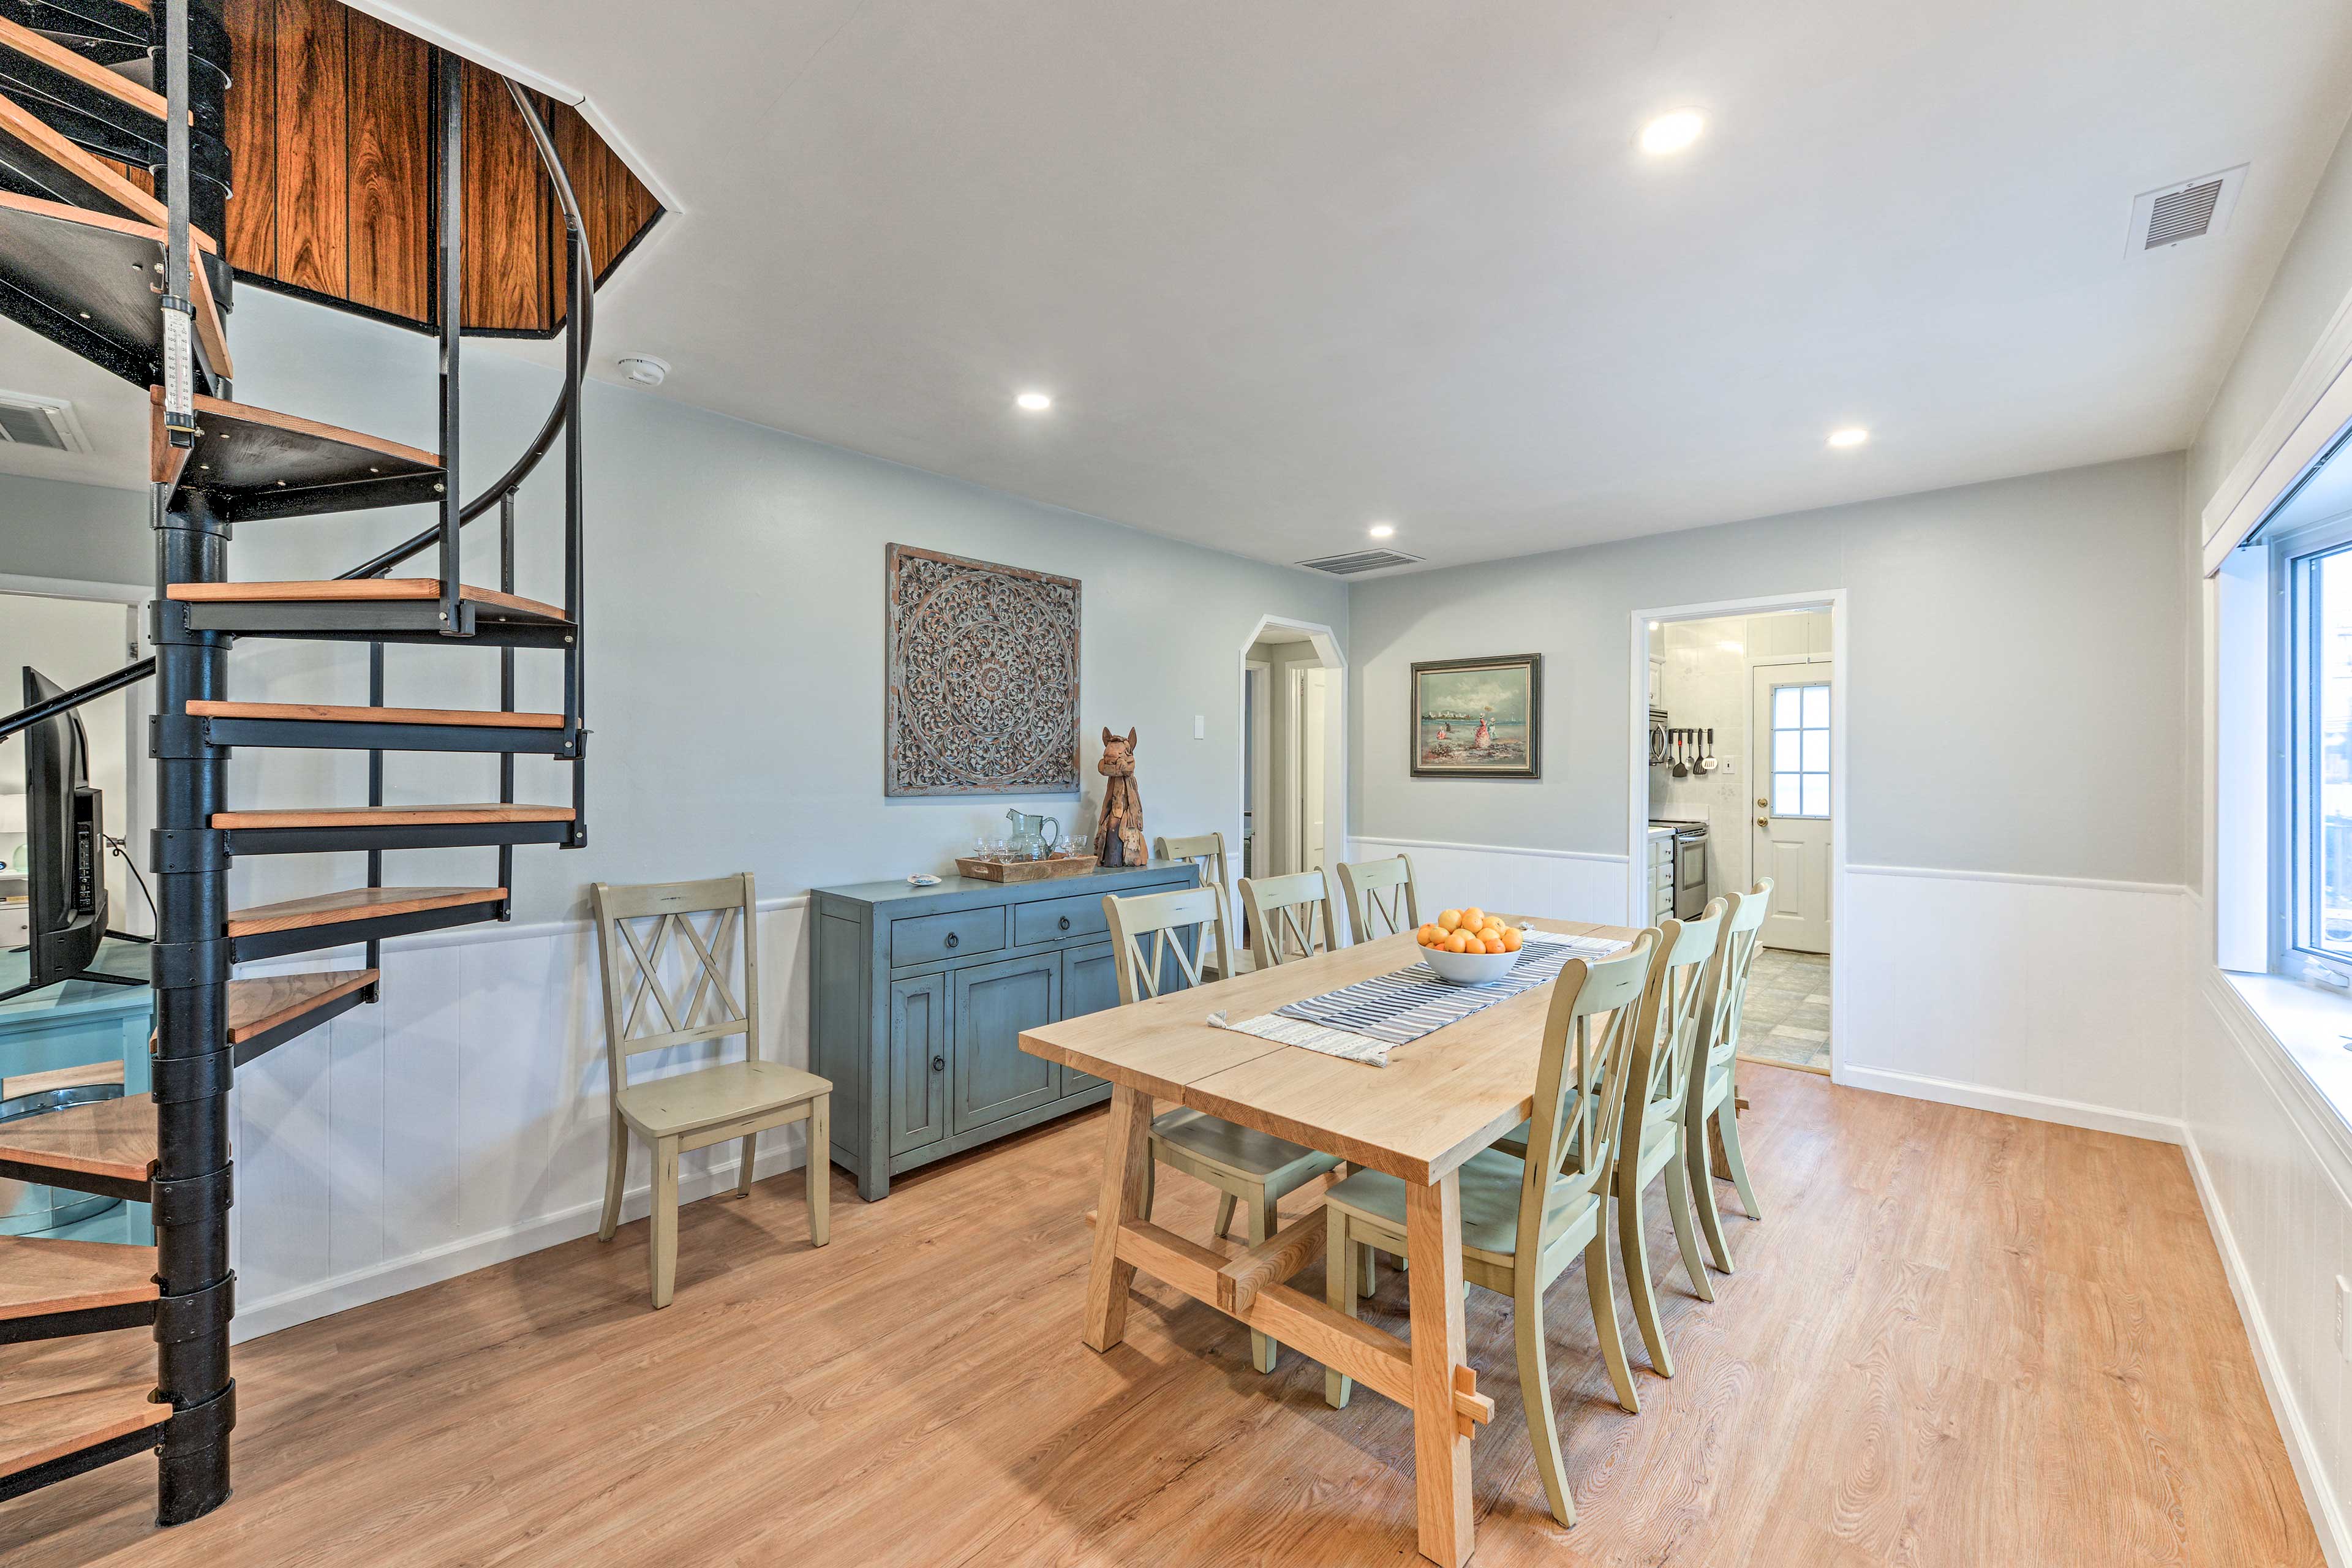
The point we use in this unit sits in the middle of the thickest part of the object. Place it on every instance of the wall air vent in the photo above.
(2193, 209)
(1359, 561)
(48, 422)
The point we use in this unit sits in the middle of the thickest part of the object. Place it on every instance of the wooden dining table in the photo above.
(1439, 1101)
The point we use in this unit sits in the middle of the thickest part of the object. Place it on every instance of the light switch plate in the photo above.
(2343, 1311)
(1200, 726)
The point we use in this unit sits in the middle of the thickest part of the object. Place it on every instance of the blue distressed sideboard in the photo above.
(918, 997)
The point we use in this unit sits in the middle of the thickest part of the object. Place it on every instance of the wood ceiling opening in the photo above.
(333, 165)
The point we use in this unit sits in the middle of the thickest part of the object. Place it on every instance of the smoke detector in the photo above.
(644, 370)
(2193, 209)
(27, 420)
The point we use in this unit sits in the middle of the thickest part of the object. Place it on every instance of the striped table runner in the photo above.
(1364, 1021)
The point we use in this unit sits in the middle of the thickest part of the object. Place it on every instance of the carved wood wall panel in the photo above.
(982, 676)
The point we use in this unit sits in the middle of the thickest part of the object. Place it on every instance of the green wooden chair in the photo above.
(1381, 897)
(1525, 1221)
(1715, 1090)
(1207, 853)
(1248, 1168)
(1281, 911)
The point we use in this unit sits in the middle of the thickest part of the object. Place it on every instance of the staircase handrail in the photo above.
(66, 701)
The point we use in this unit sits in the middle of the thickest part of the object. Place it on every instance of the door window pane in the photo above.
(1801, 748)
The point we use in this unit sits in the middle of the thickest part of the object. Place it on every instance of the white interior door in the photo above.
(1791, 838)
(1257, 791)
(1315, 694)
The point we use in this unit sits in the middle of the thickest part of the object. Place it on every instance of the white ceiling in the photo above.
(1290, 268)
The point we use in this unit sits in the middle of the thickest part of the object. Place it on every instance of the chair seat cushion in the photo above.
(721, 1092)
(1242, 1150)
(1490, 1202)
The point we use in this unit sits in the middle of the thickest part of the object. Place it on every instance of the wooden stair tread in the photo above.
(351, 904)
(38, 1277)
(112, 1138)
(23, 40)
(99, 267)
(393, 816)
(35, 1431)
(325, 713)
(352, 590)
(24, 1083)
(267, 1001)
(242, 448)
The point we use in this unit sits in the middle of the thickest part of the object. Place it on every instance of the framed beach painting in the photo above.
(1478, 718)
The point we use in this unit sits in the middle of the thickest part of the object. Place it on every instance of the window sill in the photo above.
(2312, 1028)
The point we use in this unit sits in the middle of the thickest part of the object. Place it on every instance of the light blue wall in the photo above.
(2015, 650)
(735, 616)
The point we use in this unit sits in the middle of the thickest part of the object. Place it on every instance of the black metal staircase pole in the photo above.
(375, 787)
(190, 1067)
(449, 252)
(582, 281)
(505, 691)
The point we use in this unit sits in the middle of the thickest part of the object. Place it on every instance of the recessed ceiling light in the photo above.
(1851, 436)
(1383, 529)
(1033, 402)
(1673, 132)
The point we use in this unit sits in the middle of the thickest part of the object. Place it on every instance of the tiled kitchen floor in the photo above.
(1787, 1018)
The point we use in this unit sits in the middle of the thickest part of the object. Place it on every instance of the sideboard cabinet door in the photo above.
(1089, 985)
(918, 1048)
(993, 1077)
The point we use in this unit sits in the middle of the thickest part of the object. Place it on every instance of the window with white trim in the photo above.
(1801, 750)
(2310, 878)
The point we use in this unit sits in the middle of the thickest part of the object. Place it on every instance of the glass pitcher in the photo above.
(1033, 836)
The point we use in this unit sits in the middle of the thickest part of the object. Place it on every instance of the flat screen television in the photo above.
(64, 844)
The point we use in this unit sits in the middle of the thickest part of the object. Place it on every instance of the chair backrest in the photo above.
(1281, 915)
(1738, 942)
(634, 927)
(1155, 915)
(1381, 900)
(1684, 971)
(1206, 850)
(1588, 1052)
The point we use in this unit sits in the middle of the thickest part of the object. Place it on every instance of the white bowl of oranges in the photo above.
(1470, 947)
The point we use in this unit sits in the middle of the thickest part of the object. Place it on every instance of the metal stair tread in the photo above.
(38, 1277)
(244, 450)
(266, 1002)
(359, 590)
(48, 52)
(353, 904)
(98, 270)
(35, 1431)
(74, 177)
(393, 816)
(111, 1138)
(326, 714)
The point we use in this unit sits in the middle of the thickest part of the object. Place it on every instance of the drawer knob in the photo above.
(1065, 923)
(953, 939)
(939, 1064)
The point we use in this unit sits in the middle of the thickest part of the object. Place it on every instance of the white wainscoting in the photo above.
(2051, 997)
(2271, 1165)
(460, 1121)
(1565, 884)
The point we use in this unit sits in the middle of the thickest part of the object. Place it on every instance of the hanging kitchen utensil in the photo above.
(1681, 767)
(1706, 763)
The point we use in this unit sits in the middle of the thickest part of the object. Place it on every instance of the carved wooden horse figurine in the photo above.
(1118, 840)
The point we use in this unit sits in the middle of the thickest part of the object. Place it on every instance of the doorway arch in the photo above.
(1286, 649)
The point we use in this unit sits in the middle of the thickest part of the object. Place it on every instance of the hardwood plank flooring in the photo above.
(1957, 1339)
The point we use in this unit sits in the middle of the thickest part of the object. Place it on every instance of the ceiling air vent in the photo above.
(1359, 561)
(48, 422)
(2193, 209)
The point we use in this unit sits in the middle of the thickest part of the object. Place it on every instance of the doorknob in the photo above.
(1763, 822)
(1761, 802)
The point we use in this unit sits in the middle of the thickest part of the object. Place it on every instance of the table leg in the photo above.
(1126, 1167)
(1440, 1343)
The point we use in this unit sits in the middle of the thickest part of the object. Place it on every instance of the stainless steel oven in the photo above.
(1690, 869)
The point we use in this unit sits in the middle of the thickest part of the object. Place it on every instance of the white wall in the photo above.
(2000, 640)
(2271, 1152)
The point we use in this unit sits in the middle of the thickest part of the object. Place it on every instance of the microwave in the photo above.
(1659, 740)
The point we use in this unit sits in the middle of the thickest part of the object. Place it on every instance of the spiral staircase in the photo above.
(132, 280)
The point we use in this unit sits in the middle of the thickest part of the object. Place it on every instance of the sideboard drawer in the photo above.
(1050, 920)
(956, 935)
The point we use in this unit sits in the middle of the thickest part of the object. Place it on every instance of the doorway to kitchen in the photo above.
(1293, 750)
(1738, 775)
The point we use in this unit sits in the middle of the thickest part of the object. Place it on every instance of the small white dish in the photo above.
(922, 879)
(1470, 968)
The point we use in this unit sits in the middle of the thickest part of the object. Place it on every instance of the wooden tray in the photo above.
(1026, 870)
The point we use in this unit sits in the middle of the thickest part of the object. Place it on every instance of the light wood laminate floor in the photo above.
(1958, 1339)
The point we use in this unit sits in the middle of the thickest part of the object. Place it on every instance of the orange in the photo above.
(1493, 923)
(1511, 940)
(1473, 917)
(1492, 942)
(1449, 919)
(1458, 942)
(1425, 934)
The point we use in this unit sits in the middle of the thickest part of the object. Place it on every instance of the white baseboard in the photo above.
(362, 1285)
(2013, 1102)
(2301, 1450)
